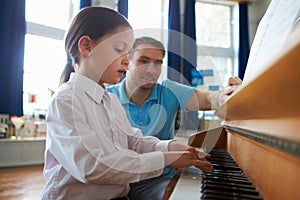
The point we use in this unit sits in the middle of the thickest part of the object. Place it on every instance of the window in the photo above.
(144, 13)
(44, 56)
(215, 42)
(150, 18)
(215, 47)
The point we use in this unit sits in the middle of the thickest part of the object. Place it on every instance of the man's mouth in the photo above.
(150, 79)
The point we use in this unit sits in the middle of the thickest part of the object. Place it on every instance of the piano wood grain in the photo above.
(274, 173)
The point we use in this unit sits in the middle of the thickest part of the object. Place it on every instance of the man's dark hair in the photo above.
(146, 40)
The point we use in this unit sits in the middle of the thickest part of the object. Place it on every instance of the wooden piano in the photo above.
(261, 131)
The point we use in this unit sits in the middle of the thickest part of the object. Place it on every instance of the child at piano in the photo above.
(92, 152)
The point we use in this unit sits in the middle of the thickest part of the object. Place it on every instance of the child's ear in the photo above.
(84, 45)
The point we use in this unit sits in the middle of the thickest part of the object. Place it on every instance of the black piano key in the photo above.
(224, 177)
(226, 171)
(220, 197)
(227, 175)
(228, 196)
(221, 157)
(207, 182)
(223, 163)
(227, 180)
(230, 189)
(233, 180)
(223, 167)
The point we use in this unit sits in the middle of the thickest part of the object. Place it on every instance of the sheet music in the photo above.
(272, 34)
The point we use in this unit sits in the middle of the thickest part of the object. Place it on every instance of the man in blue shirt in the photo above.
(151, 106)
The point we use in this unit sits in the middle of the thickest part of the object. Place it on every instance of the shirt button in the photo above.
(141, 123)
(140, 110)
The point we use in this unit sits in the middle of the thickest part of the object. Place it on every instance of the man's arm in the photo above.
(211, 100)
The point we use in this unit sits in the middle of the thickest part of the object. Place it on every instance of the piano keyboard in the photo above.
(227, 181)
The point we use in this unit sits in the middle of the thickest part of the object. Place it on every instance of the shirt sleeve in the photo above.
(144, 144)
(182, 92)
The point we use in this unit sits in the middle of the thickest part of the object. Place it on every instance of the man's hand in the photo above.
(232, 85)
(234, 81)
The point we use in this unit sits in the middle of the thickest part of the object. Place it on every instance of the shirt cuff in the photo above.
(153, 163)
(163, 145)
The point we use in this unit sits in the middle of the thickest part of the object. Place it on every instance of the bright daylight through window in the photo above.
(48, 19)
(215, 39)
(44, 57)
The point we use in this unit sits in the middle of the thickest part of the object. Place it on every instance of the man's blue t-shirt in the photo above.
(156, 117)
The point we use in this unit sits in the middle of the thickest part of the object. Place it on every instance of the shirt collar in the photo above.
(154, 92)
(122, 93)
(93, 89)
(125, 100)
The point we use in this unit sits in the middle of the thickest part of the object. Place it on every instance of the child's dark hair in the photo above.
(94, 22)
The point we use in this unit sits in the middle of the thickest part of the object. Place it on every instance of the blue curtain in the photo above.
(123, 7)
(191, 120)
(244, 48)
(174, 38)
(84, 3)
(12, 36)
(189, 41)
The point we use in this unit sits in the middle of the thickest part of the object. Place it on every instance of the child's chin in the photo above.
(112, 82)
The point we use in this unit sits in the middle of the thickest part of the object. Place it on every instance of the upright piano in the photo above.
(261, 133)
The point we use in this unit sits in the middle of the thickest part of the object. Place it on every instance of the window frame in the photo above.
(40, 29)
(229, 52)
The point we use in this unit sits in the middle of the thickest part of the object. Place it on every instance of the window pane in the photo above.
(213, 25)
(222, 67)
(44, 60)
(48, 12)
(144, 13)
(150, 18)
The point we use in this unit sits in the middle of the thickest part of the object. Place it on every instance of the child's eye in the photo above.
(118, 50)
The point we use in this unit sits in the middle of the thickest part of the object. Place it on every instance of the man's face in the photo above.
(145, 66)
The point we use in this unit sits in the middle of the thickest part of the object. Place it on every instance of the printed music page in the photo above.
(272, 35)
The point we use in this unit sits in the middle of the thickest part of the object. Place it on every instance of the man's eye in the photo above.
(144, 61)
(157, 64)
